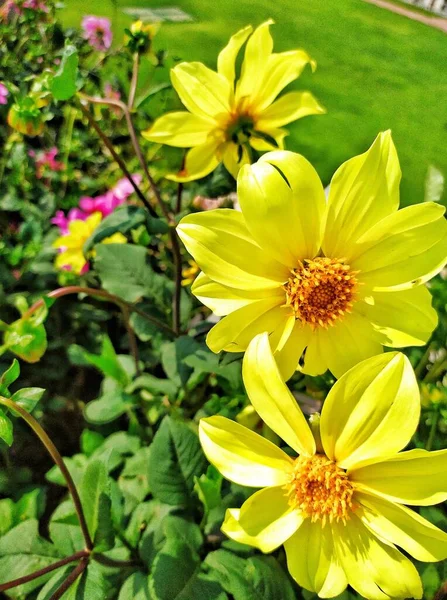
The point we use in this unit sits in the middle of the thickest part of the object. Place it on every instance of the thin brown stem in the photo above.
(70, 580)
(107, 142)
(133, 346)
(58, 460)
(134, 81)
(177, 282)
(111, 562)
(44, 571)
(77, 289)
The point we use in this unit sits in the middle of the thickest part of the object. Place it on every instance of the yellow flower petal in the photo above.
(416, 477)
(181, 129)
(312, 562)
(268, 517)
(223, 248)
(404, 318)
(402, 526)
(204, 92)
(72, 258)
(371, 412)
(375, 570)
(116, 238)
(272, 399)
(288, 357)
(234, 157)
(227, 57)
(288, 108)
(263, 145)
(342, 346)
(364, 190)
(234, 332)
(284, 213)
(281, 69)
(223, 300)
(199, 162)
(257, 51)
(404, 249)
(243, 456)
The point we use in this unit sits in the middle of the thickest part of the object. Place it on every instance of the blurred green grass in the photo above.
(376, 70)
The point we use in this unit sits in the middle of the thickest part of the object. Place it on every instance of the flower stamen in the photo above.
(321, 290)
(320, 489)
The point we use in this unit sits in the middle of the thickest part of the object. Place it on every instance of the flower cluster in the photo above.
(98, 32)
(46, 161)
(80, 223)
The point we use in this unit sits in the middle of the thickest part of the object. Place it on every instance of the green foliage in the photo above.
(63, 85)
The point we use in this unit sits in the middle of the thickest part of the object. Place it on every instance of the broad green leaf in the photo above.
(91, 585)
(121, 220)
(75, 464)
(173, 571)
(65, 531)
(181, 529)
(107, 362)
(206, 361)
(28, 398)
(26, 340)
(7, 515)
(136, 587)
(176, 457)
(123, 270)
(90, 441)
(95, 498)
(107, 408)
(173, 355)
(63, 86)
(133, 480)
(154, 385)
(208, 488)
(23, 551)
(254, 577)
(31, 505)
(6, 430)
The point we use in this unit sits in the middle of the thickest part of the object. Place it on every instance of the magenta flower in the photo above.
(62, 221)
(97, 31)
(46, 160)
(35, 5)
(106, 203)
(4, 93)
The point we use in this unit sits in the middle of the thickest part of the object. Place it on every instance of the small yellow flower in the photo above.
(338, 507)
(190, 273)
(71, 246)
(332, 281)
(139, 37)
(226, 120)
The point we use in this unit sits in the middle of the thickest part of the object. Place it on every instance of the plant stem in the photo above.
(133, 346)
(178, 206)
(77, 289)
(117, 158)
(433, 428)
(436, 370)
(57, 458)
(44, 571)
(111, 562)
(420, 367)
(134, 81)
(70, 580)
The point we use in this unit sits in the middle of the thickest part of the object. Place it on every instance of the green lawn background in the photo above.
(376, 70)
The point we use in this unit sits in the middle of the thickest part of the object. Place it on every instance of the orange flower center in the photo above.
(321, 290)
(320, 489)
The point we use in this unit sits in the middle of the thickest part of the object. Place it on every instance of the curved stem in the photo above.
(77, 289)
(70, 580)
(111, 562)
(44, 571)
(117, 158)
(134, 81)
(57, 458)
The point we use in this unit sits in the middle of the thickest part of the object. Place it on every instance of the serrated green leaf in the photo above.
(28, 398)
(107, 362)
(121, 220)
(6, 429)
(254, 577)
(95, 498)
(136, 587)
(173, 355)
(65, 531)
(173, 571)
(208, 488)
(176, 457)
(63, 86)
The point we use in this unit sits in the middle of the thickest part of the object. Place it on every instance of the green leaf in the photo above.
(64, 529)
(176, 457)
(206, 361)
(173, 356)
(107, 408)
(7, 515)
(123, 270)
(136, 587)
(6, 430)
(121, 220)
(95, 498)
(63, 86)
(255, 577)
(9, 376)
(107, 362)
(154, 385)
(173, 571)
(90, 441)
(208, 488)
(181, 529)
(25, 339)
(28, 398)
(23, 551)
(91, 585)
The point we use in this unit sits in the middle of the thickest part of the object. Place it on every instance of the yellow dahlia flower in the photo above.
(338, 507)
(71, 246)
(331, 281)
(226, 120)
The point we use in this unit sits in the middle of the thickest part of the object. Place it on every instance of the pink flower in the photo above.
(35, 5)
(9, 9)
(106, 203)
(4, 93)
(97, 31)
(62, 220)
(46, 159)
